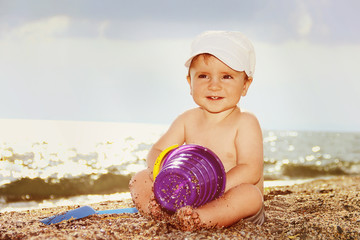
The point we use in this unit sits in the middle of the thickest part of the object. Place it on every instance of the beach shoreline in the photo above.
(93, 198)
(319, 209)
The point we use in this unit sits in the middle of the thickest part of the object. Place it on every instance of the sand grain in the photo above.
(322, 209)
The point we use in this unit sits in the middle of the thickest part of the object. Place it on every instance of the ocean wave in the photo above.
(45, 170)
(300, 170)
(26, 189)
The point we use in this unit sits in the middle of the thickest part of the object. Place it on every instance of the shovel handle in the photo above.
(117, 211)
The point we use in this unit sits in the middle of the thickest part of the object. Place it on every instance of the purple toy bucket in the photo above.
(190, 175)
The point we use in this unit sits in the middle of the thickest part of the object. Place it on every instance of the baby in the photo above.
(221, 69)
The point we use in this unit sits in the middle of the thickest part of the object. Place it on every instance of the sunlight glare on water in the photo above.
(60, 149)
(80, 158)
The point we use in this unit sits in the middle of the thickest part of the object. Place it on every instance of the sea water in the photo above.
(51, 163)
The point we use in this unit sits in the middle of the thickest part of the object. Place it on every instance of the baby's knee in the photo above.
(140, 179)
(252, 192)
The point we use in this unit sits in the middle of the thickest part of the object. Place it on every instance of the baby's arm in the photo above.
(174, 135)
(249, 148)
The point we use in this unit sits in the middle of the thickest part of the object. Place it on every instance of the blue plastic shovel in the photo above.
(82, 212)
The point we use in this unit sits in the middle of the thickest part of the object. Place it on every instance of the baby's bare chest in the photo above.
(219, 140)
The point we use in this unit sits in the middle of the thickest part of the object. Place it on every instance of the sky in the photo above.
(123, 61)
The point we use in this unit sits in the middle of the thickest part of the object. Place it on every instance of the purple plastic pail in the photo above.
(190, 175)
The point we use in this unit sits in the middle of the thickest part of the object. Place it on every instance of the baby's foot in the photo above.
(156, 211)
(187, 219)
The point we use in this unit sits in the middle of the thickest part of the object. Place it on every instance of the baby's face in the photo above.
(214, 86)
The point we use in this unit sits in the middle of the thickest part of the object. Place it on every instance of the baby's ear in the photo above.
(188, 78)
(247, 84)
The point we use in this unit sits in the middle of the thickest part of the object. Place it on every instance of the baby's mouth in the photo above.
(214, 98)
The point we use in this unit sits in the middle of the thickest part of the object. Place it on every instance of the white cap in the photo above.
(232, 48)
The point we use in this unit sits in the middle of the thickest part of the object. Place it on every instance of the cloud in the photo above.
(44, 29)
(304, 25)
(103, 27)
(279, 21)
(304, 20)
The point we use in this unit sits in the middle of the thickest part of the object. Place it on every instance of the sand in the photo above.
(321, 209)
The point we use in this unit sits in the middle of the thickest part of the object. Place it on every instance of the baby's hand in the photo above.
(156, 211)
(187, 219)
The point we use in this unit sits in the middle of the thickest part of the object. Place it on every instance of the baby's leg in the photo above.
(239, 202)
(141, 191)
(142, 194)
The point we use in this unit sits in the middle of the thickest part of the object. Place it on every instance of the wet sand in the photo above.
(322, 209)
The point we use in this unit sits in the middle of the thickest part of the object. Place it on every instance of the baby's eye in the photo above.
(202, 76)
(227, 77)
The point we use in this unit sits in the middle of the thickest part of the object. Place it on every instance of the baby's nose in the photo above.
(214, 84)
